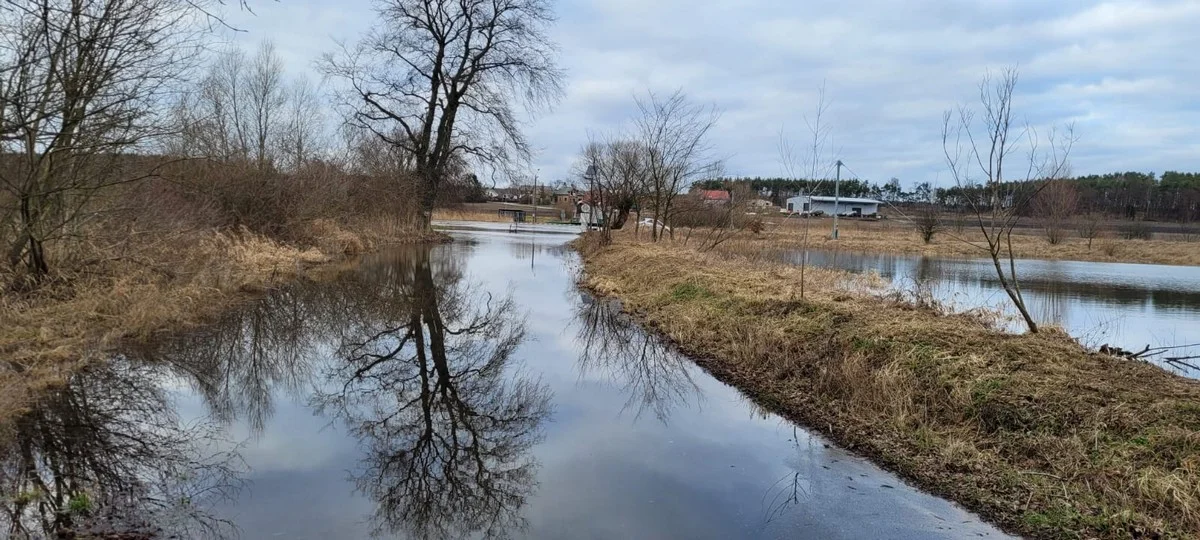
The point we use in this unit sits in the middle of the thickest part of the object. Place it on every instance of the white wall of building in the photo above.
(846, 206)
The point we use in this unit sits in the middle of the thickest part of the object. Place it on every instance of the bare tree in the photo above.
(246, 110)
(674, 134)
(304, 132)
(225, 92)
(1089, 228)
(979, 150)
(83, 84)
(1053, 208)
(439, 79)
(815, 163)
(615, 172)
(266, 95)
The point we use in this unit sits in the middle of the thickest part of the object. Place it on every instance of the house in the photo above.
(760, 204)
(845, 206)
(714, 196)
(507, 194)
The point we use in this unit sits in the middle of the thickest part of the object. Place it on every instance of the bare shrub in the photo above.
(1110, 247)
(1089, 228)
(928, 222)
(691, 212)
(1053, 207)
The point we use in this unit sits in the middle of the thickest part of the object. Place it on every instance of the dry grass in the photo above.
(163, 284)
(1033, 431)
(893, 237)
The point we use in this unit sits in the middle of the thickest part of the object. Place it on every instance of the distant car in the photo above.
(651, 222)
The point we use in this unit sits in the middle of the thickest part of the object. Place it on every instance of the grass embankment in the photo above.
(175, 281)
(1032, 431)
(894, 237)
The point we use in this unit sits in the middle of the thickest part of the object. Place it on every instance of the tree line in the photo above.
(1171, 196)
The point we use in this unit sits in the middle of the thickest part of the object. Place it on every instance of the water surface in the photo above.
(463, 390)
(1124, 305)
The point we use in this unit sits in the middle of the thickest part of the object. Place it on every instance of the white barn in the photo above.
(846, 206)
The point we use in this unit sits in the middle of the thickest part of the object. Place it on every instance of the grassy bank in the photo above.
(895, 237)
(1032, 431)
(158, 284)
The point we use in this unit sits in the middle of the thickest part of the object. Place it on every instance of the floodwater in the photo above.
(1124, 305)
(455, 391)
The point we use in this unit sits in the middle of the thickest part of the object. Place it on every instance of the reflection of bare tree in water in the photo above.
(104, 456)
(243, 359)
(428, 388)
(422, 375)
(650, 371)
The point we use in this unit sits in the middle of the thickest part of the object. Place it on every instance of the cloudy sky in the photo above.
(1125, 72)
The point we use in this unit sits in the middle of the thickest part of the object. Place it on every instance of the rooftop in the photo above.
(714, 195)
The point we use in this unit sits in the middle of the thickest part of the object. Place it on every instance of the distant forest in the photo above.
(1172, 196)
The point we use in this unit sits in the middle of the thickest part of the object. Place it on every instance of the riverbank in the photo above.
(1032, 431)
(168, 284)
(894, 237)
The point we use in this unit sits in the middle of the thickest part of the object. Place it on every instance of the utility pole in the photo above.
(837, 198)
(535, 194)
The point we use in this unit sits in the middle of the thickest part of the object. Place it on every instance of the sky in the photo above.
(1123, 72)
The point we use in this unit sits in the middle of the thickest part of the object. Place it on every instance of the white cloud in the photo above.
(1121, 70)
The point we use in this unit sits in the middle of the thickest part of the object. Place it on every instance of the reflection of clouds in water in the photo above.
(655, 377)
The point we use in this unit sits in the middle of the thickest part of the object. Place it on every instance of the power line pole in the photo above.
(535, 194)
(837, 198)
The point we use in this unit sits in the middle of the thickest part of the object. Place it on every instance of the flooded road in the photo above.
(461, 390)
(1124, 305)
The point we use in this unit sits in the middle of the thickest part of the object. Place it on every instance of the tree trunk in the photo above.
(428, 198)
(1008, 284)
(37, 258)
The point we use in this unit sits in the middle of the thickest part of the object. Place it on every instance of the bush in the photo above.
(1089, 228)
(927, 222)
(303, 206)
(1055, 233)
(693, 213)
